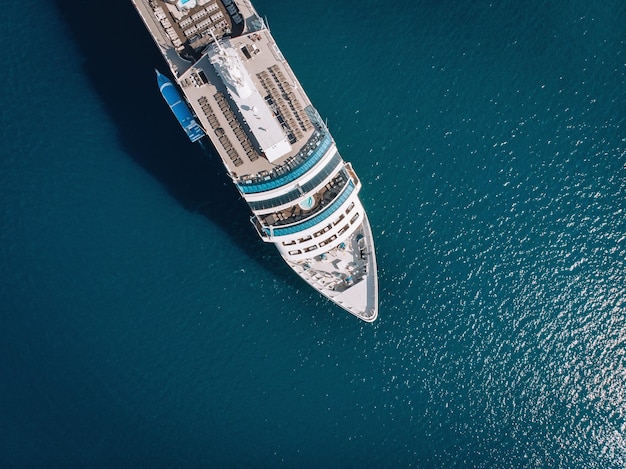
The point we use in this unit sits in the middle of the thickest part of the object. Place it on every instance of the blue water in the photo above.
(143, 322)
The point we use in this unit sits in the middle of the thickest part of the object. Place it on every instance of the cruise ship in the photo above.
(229, 81)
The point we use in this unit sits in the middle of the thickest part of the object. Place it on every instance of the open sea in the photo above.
(144, 324)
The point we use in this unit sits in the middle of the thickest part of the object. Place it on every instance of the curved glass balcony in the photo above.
(301, 164)
(296, 194)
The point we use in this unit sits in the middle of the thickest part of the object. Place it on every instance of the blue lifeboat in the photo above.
(179, 108)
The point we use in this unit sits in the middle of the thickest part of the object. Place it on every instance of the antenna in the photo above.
(219, 46)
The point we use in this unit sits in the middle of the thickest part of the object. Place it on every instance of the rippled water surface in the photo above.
(144, 323)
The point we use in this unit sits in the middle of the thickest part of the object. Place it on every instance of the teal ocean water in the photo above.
(144, 324)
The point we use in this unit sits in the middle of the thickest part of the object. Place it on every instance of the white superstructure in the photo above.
(276, 148)
(267, 131)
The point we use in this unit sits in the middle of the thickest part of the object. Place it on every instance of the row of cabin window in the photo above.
(328, 227)
(322, 243)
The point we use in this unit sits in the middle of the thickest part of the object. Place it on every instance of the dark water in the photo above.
(144, 324)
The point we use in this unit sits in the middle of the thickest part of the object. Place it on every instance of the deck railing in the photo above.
(304, 160)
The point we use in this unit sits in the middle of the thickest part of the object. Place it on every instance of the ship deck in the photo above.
(249, 103)
(184, 36)
(190, 28)
(224, 121)
(347, 274)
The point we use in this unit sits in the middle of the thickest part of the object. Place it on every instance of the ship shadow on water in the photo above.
(119, 60)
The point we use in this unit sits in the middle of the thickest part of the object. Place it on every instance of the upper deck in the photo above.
(268, 133)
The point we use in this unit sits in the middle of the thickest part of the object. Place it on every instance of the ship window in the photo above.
(350, 207)
(307, 238)
(290, 243)
(322, 231)
(293, 253)
(341, 217)
(310, 248)
(344, 229)
(353, 219)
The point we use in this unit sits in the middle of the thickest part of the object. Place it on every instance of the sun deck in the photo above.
(228, 125)
(184, 31)
(347, 274)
